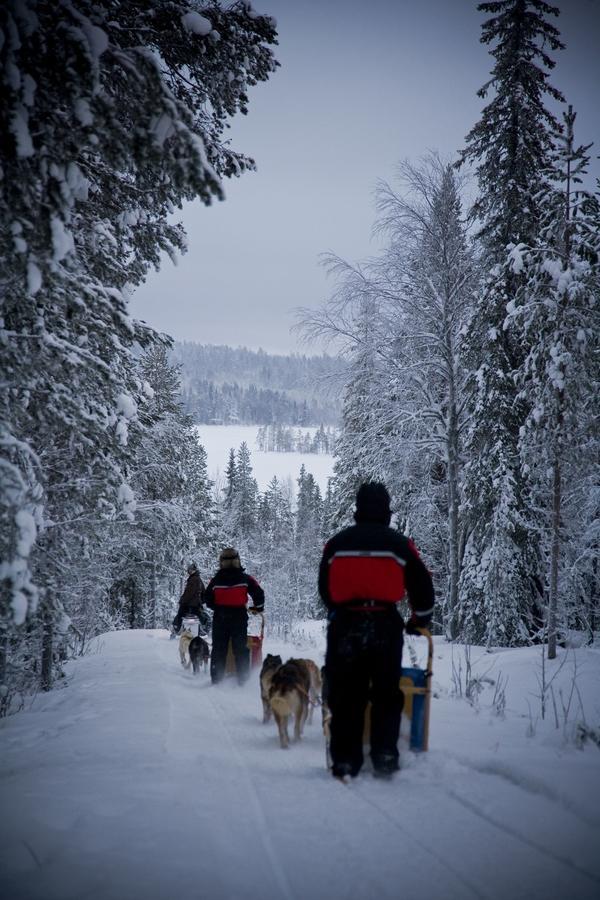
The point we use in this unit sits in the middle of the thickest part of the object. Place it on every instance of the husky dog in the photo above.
(184, 646)
(199, 652)
(269, 667)
(289, 695)
(314, 697)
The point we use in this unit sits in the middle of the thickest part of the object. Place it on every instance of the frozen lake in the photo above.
(218, 440)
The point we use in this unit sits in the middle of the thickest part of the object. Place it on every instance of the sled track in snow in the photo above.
(512, 832)
(408, 836)
(278, 873)
(530, 785)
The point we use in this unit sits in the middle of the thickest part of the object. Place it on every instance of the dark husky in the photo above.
(269, 667)
(289, 695)
(199, 654)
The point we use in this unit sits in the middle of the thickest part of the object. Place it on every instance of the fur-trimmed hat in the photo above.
(229, 558)
(193, 567)
(373, 503)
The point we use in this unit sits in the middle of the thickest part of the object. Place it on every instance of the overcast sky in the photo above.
(361, 87)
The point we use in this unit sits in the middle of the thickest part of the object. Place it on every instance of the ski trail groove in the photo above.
(475, 891)
(278, 872)
(512, 832)
(528, 784)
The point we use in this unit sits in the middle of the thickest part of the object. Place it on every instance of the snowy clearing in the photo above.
(138, 780)
(218, 440)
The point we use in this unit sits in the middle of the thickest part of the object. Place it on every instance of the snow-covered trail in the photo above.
(141, 781)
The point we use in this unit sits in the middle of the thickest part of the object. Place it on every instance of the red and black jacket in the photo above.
(371, 566)
(230, 588)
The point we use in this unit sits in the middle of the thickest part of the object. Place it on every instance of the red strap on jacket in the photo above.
(373, 575)
(231, 594)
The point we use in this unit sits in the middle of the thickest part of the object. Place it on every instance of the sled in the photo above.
(254, 642)
(415, 684)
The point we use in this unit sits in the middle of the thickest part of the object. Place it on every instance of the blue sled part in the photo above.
(417, 722)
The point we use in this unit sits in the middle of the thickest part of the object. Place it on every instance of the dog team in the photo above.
(366, 570)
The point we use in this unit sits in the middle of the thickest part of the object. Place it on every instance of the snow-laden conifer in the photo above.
(556, 317)
(510, 150)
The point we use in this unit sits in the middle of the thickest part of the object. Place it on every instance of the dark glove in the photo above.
(412, 627)
(254, 609)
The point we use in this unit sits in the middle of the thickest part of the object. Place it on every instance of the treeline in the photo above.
(278, 438)
(223, 385)
(103, 487)
(280, 535)
(474, 359)
(228, 404)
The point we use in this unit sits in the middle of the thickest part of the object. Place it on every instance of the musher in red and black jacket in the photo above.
(365, 571)
(227, 594)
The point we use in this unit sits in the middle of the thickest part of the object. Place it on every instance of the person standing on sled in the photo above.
(364, 573)
(190, 603)
(227, 594)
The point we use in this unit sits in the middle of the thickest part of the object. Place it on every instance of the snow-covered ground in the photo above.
(137, 780)
(218, 440)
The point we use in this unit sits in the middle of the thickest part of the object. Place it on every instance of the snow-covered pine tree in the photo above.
(556, 316)
(97, 150)
(240, 506)
(510, 148)
(308, 545)
(275, 555)
(174, 509)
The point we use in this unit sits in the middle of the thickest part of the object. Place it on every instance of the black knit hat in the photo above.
(373, 503)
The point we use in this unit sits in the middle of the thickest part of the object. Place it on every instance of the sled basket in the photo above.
(415, 684)
(254, 642)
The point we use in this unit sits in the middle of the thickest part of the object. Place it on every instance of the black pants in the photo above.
(228, 624)
(363, 662)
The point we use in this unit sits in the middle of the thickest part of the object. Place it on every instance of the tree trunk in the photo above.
(153, 596)
(47, 651)
(452, 447)
(554, 555)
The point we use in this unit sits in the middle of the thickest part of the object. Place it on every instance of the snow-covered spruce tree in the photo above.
(274, 555)
(240, 505)
(556, 317)
(308, 546)
(510, 148)
(174, 520)
(110, 115)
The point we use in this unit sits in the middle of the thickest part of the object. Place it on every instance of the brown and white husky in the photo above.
(289, 696)
(184, 647)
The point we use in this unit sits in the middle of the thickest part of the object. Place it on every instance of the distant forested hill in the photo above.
(226, 384)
